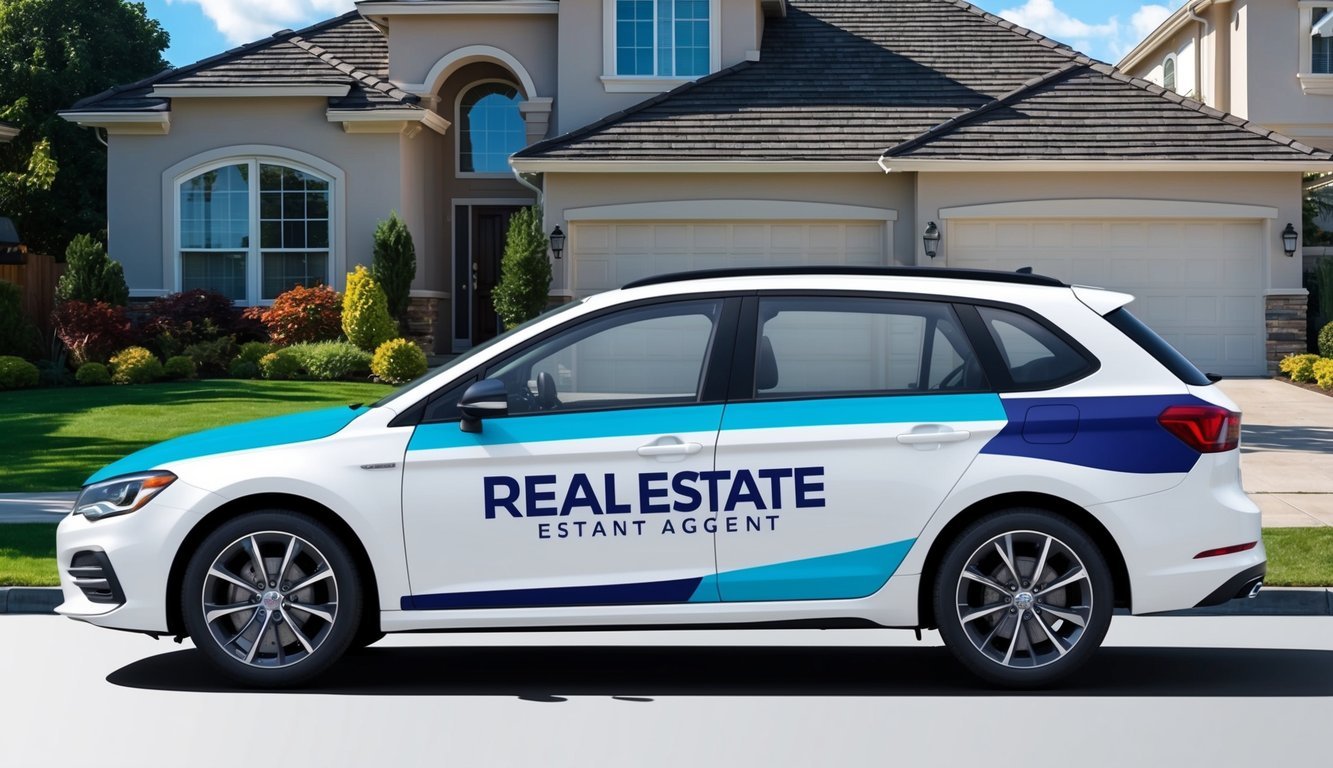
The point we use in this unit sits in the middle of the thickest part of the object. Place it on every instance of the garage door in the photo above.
(1198, 283)
(607, 255)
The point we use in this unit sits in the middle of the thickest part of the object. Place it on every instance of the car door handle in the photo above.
(920, 438)
(670, 449)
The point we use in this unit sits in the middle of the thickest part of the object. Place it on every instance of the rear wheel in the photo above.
(1023, 598)
(272, 598)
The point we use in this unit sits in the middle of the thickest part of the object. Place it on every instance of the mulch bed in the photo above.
(1305, 385)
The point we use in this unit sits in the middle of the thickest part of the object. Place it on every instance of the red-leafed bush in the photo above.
(92, 331)
(305, 314)
(180, 320)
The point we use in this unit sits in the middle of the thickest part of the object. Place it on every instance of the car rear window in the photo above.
(1035, 356)
(1158, 347)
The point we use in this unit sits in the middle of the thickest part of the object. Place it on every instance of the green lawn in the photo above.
(28, 555)
(1297, 557)
(55, 438)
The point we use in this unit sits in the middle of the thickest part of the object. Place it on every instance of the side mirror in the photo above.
(483, 400)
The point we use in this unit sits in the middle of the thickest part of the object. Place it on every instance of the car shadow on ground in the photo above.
(641, 673)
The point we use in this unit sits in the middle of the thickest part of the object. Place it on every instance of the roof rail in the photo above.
(985, 275)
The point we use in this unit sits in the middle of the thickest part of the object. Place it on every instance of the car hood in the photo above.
(262, 433)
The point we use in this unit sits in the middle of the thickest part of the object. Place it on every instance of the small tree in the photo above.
(525, 273)
(366, 318)
(394, 265)
(90, 275)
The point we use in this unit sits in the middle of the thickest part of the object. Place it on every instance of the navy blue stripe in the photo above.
(1120, 434)
(676, 591)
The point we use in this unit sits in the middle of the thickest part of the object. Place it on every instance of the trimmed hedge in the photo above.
(93, 375)
(398, 362)
(17, 373)
(135, 365)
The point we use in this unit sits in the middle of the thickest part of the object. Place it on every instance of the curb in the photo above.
(30, 599)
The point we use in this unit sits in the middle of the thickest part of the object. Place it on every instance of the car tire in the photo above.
(278, 619)
(1023, 597)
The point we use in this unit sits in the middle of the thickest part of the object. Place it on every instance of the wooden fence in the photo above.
(36, 279)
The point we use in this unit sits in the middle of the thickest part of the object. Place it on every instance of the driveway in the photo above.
(1286, 450)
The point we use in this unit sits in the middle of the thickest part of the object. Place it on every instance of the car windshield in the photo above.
(8, 232)
(471, 353)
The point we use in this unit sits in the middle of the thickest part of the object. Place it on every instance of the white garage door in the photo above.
(607, 255)
(1198, 283)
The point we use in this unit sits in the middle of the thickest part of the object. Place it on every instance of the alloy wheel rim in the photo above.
(1024, 599)
(270, 599)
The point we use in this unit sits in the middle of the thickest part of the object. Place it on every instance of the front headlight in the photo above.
(121, 495)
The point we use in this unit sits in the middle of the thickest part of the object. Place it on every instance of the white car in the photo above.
(998, 455)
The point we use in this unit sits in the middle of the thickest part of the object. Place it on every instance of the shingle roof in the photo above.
(844, 80)
(346, 50)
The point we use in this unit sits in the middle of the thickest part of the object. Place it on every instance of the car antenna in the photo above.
(1024, 270)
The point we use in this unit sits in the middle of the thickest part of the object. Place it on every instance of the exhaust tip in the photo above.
(1254, 589)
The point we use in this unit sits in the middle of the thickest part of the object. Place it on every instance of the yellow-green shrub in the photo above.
(1323, 373)
(398, 361)
(1298, 367)
(135, 365)
(92, 374)
(179, 367)
(280, 365)
(15, 373)
(366, 319)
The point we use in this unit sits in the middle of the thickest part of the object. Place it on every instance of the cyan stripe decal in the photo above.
(574, 425)
(863, 410)
(831, 577)
(262, 433)
(1119, 434)
(842, 576)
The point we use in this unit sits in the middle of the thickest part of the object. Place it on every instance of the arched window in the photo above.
(490, 127)
(1169, 73)
(222, 207)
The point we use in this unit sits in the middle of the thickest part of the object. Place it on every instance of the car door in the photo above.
(852, 418)
(567, 499)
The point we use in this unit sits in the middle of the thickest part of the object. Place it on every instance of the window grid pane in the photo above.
(491, 128)
(663, 37)
(215, 209)
(1321, 48)
(223, 272)
(286, 270)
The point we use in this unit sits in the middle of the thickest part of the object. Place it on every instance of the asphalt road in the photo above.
(1224, 691)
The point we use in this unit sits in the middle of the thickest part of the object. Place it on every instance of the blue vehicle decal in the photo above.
(1118, 434)
(829, 577)
(840, 411)
(263, 433)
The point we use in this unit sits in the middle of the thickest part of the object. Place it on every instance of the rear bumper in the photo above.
(1242, 585)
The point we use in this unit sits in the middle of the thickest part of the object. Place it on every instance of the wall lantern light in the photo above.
(1289, 238)
(931, 239)
(557, 242)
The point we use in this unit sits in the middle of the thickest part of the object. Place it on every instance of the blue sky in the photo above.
(1104, 29)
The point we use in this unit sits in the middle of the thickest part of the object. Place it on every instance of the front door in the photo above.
(490, 224)
(862, 414)
(593, 490)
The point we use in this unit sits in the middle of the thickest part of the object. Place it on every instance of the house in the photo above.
(664, 135)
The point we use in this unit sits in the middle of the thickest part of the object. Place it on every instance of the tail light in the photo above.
(1205, 428)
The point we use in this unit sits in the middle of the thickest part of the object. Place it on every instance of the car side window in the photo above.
(645, 356)
(1033, 353)
(861, 346)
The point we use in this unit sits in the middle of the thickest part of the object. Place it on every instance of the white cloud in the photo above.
(1146, 19)
(1042, 16)
(241, 21)
(1107, 38)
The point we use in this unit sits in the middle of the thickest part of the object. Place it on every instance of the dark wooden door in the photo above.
(489, 225)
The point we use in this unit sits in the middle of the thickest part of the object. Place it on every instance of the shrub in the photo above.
(366, 318)
(1326, 341)
(179, 367)
(394, 265)
(254, 351)
(211, 358)
(135, 365)
(93, 375)
(1298, 367)
(18, 336)
(181, 319)
(398, 361)
(280, 365)
(525, 274)
(91, 331)
(1323, 373)
(331, 360)
(305, 314)
(16, 373)
(243, 369)
(90, 275)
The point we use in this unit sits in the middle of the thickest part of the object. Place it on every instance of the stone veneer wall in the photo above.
(1284, 321)
(422, 312)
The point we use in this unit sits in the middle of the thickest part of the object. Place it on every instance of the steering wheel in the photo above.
(546, 396)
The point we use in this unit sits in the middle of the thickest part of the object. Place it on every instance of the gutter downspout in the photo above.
(1222, 54)
(1206, 28)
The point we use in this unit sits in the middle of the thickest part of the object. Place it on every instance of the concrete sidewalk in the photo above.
(1286, 451)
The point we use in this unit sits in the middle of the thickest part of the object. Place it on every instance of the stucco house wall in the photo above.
(202, 130)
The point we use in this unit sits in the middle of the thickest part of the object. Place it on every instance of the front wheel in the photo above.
(1023, 597)
(272, 598)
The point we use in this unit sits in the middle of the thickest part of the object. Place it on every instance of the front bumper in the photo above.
(114, 572)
